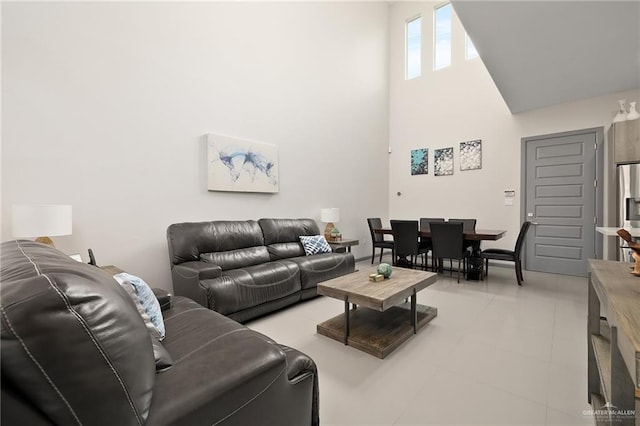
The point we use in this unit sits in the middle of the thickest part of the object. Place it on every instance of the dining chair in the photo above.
(378, 240)
(508, 255)
(425, 226)
(406, 241)
(448, 243)
(425, 221)
(469, 225)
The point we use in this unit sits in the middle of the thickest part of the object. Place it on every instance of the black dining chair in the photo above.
(378, 240)
(508, 255)
(468, 225)
(448, 243)
(425, 221)
(406, 241)
(425, 226)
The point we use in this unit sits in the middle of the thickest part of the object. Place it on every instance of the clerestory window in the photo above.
(413, 49)
(442, 36)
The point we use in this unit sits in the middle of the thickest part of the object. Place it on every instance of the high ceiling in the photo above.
(542, 53)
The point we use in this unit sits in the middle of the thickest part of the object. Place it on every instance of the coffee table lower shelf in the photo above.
(377, 333)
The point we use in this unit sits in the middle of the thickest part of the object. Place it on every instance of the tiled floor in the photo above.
(496, 354)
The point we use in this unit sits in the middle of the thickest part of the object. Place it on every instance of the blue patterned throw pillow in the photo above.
(314, 244)
(146, 298)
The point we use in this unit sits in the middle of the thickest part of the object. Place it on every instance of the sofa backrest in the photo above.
(74, 348)
(229, 244)
(282, 236)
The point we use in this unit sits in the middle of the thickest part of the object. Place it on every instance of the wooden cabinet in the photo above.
(613, 326)
(625, 137)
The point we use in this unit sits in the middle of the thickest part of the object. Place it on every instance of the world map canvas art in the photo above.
(241, 166)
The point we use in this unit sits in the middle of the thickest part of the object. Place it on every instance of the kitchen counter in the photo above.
(611, 232)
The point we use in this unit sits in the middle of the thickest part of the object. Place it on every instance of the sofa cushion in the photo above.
(280, 251)
(322, 267)
(187, 241)
(244, 288)
(239, 258)
(314, 244)
(282, 236)
(57, 312)
(231, 365)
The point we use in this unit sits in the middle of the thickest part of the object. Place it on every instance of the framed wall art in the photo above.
(241, 166)
(420, 161)
(443, 161)
(471, 155)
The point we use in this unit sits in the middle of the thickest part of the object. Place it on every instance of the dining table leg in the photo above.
(474, 265)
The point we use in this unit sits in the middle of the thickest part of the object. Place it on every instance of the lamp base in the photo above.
(45, 240)
(327, 231)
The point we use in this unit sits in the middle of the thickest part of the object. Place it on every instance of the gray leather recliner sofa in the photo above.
(75, 350)
(244, 269)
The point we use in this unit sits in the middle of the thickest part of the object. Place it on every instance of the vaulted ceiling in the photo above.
(542, 53)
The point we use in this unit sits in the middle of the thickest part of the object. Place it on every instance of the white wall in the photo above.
(461, 103)
(104, 106)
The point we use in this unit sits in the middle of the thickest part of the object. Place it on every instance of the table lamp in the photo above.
(329, 215)
(42, 221)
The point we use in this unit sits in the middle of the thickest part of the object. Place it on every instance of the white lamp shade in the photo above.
(330, 215)
(41, 220)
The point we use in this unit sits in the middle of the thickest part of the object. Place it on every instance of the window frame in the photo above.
(467, 41)
(435, 29)
(407, 22)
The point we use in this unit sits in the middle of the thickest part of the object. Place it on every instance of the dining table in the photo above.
(472, 235)
(475, 262)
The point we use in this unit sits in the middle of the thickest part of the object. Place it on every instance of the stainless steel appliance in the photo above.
(628, 206)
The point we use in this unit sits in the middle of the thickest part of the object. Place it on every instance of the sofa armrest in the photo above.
(301, 367)
(164, 298)
(187, 276)
(204, 270)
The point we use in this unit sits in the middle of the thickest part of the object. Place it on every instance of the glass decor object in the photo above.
(385, 270)
(622, 114)
(633, 114)
(329, 216)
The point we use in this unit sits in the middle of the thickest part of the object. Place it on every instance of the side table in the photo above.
(343, 245)
(111, 269)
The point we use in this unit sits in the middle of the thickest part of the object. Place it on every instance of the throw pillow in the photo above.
(160, 354)
(314, 244)
(147, 299)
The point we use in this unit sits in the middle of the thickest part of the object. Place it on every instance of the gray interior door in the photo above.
(560, 201)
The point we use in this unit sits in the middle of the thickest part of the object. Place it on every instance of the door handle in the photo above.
(534, 223)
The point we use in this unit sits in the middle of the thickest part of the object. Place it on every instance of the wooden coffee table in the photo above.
(377, 318)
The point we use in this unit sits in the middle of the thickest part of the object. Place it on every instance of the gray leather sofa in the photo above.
(76, 351)
(244, 269)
